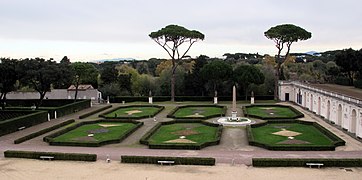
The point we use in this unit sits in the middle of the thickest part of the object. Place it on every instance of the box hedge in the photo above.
(56, 155)
(160, 108)
(207, 161)
(336, 140)
(94, 112)
(295, 162)
(171, 113)
(43, 131)
(298, 114)
(50, 137)
(144, 139)
(31, 119)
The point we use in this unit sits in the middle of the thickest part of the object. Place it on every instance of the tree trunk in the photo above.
(76, 91)
(246, 92)
(173, 81)
(42, 95)
(3, 100)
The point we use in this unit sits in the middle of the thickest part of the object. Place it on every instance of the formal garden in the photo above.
(272, 111)
(197, 112)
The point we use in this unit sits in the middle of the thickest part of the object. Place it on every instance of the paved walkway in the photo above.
(233, 148)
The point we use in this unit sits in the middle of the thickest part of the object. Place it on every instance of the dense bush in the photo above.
(12, 125)
(94, 112)
(50, 137)
(144, 139)
(56, 155)
(160, 108)
(43, 131)
(292, 162)
(73, 107)
(358, 83)
(336, 140)
(342, 81)
(178, 160)
(171, 113)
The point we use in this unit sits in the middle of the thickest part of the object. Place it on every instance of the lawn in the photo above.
(133, 112)
(103, 131)
(186, 112)
(271, 111)
(309, 135)
(194, 133)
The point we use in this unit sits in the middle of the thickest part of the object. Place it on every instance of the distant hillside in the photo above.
(114, 59)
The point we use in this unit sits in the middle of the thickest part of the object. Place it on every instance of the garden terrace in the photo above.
(182, 135)
(269, 112)
(292, 136)
(197, 112)
(133, 112)
(93, 133)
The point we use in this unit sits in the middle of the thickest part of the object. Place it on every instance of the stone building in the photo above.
(338, 104)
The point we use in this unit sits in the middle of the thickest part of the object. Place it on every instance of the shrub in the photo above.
(94, 112)
(56, 155)
(292, 162)
(12, 125)
(119, 99)
(178, 160)
(43, 131)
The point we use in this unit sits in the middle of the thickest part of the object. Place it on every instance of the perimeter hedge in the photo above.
(292, 162)
(336, 140)
(119, 99)
(94, 112)
(56, 155)
(206, 161)
(12, 125)
(160, 108)
(171, 113)
(43, 131)
(298, 114)
(144, 139)
(49, 138)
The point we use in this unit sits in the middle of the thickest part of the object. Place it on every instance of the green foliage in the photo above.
(245, 75)
(208, 134)
(279, 112)
(178, 160)
(56, 155)
(206, 111)
(215, 72)
(94, 112)
(8, 78)
(176, 33)
(31, 119)
(43, 131)
(147, 111)
(294, 162)
(348, 60)
(287, 33)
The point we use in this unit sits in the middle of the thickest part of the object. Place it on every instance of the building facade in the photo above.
(338, 108)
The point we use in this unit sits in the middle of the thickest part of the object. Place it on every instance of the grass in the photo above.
(204, 111)
(261, 111)
(263, 134)
(166, 133)
(122, 112)
(114, 132)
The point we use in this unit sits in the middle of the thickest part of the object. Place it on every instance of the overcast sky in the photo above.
(100, 29)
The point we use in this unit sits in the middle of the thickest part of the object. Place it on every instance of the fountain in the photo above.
(234, 120)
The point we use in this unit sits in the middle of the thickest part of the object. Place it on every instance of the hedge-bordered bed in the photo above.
(132, 112)
(292, 136)
(93, 133)
(197, 112)
(190, 134)
(271, 111)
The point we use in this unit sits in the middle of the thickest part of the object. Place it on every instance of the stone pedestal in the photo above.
(252, 101)
(215, 100)
(150, 100)
(107, 99)
(234, 116)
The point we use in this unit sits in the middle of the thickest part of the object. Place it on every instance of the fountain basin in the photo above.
(238, 121)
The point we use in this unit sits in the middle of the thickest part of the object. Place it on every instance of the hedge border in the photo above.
(206, 161)
(298, 113)
(336, 140)
(295, 162)
(43, 131)
(49, 138)
(119, 99)
(85, 115)
(145, 138)
(11, 125)
(160, 108)
(56, 155)
(172, 113)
